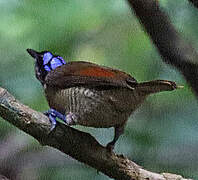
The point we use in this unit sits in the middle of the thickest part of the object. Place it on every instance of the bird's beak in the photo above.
(33, 53)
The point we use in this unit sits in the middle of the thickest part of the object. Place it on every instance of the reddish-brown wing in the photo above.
(85, 73)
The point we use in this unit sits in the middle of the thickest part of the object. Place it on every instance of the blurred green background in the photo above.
(161, 136)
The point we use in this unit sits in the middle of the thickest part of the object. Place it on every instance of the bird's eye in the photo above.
(55, 62)
(47, 68)
(47, 57)
(51, 62)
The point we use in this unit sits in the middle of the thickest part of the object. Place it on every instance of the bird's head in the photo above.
(45, 62)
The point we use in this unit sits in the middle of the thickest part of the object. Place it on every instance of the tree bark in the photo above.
(79, 145)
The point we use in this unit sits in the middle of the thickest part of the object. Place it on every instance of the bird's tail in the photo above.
(157, 86)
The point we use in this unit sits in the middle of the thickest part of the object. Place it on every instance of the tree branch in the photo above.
(173, 49)
(79, 145)
(194, 2)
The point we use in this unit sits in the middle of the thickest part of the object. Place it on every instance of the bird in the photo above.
(87, 94)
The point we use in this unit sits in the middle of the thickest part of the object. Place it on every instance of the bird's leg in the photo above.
(118, 131)
(53, 114)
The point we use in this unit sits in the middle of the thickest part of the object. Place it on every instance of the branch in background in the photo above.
(79, 145)
(194, 2)
(173, 49)
(3, 177)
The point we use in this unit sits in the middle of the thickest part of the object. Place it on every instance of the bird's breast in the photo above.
(94, 107)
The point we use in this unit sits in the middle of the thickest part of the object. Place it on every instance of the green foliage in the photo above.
(161, 135)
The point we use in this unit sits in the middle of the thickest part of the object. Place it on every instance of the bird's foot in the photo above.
(69, 118)
(118, 131)
(52, 116)
(110, 147)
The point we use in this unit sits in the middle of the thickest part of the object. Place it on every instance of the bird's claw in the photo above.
(69, 119)
(110, 147)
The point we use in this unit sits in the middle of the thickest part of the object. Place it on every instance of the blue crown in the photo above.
(51, 62)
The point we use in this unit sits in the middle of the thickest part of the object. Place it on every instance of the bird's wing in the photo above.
(85, 73)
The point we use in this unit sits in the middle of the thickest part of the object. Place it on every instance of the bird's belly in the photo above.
(95, 107)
